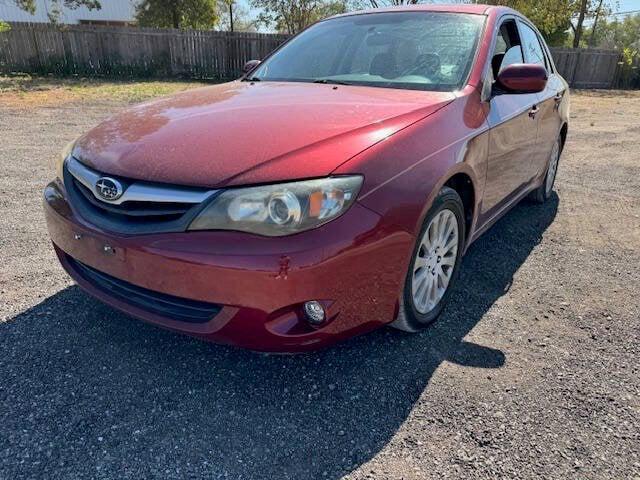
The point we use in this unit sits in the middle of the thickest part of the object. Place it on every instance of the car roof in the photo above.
(478, 9)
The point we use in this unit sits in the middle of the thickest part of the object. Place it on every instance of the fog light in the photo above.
(314, 312)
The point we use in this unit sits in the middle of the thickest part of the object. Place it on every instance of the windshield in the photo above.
(410, 50)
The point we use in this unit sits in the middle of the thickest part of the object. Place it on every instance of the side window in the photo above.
(513, 55)
(531, 46)
(547, 56)
(501, 44)
(508, 49)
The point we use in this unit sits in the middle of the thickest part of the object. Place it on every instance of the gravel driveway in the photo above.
(534, 370)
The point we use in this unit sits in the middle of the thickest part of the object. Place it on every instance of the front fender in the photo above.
(404, 173)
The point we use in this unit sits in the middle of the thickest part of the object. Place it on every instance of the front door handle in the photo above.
(534, 110)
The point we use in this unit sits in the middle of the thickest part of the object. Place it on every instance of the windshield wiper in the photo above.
(251, 79)
(331, 81)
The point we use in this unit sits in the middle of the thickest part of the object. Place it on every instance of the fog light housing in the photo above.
(314, 312)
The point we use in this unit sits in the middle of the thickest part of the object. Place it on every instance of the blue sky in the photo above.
(629, 5)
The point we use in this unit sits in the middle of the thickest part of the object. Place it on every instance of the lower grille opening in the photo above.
(169, 306)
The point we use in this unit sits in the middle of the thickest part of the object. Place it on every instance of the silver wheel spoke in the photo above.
(451, 243)
(425, 291)
(437, 253)
(448, 261)
(433, 294)
(442, 223)
(419, 281)
(448, 228)
(432, 236)
(444, 279)
(419, 265)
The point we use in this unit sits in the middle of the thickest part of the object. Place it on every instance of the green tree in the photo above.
(391, 3)
(556, 18)
(200, 14)
(291, 16)
(584, 10)
(582, 6)
(234, 17)
(552, 17)
(600, 11)
(616, 33)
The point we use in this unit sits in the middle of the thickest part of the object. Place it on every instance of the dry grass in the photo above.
(25, 91)
(617, 94)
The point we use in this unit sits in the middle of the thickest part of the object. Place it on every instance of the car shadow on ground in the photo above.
(89, 391)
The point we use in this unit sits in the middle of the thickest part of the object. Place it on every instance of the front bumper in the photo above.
(354, 265)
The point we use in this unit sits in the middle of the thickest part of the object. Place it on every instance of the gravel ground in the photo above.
(533, 371)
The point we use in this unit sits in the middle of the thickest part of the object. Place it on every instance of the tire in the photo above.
(543, 192)
(413, 314)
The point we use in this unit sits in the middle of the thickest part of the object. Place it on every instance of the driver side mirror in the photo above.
(522, 78)
(250, 65)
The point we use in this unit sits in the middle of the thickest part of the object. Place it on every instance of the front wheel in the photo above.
(435, 263)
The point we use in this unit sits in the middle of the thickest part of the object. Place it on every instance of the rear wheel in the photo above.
(543, 192)
(434, 265)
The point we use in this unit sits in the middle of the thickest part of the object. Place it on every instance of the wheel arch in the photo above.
(462, 183)
(564, 130)
(462, 179)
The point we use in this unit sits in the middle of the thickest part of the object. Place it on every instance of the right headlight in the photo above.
(58, 162)
(281, 209)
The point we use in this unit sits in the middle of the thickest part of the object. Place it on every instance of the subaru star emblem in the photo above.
(108, 189)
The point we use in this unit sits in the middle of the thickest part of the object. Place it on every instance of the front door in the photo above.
(550, 98)
(513, 123)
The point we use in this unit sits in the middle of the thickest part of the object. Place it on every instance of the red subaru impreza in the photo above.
(330, 191)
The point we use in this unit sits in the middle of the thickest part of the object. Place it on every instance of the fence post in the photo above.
(575, 68)
(36, 47)
(68, 52)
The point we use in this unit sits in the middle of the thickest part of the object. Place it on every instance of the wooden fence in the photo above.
(130, 51)
(147, 52)
(588, 68)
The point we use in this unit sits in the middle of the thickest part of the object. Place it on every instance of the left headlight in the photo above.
(281, 209)
(61, 158)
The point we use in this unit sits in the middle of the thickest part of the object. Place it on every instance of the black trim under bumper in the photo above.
(168, 306)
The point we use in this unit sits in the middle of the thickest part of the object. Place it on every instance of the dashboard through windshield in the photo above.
(407, 50)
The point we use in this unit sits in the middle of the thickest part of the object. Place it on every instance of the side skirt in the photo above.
(500, 213)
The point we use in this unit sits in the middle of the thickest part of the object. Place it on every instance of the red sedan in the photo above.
(332, 190)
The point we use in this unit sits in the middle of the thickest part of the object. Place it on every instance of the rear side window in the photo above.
(531, 45)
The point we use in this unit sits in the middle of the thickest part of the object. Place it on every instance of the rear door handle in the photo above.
(558, 100)
(534, 110)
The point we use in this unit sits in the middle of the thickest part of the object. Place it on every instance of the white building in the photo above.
(113, 12)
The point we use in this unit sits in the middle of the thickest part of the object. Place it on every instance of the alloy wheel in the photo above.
(435, 261)
(553, 167)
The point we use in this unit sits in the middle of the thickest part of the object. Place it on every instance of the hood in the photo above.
(242, 133)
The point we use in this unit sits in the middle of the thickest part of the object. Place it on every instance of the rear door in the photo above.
(549, 120)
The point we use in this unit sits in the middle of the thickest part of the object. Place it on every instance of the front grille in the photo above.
(168, 306)
(165, 211)
(143, 207)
